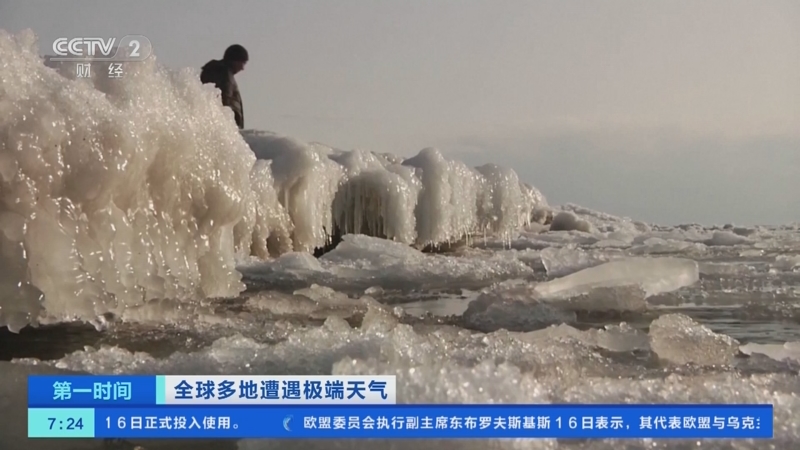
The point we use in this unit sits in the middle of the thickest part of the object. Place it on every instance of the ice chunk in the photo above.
(508, 294)
(617, 338)
(329, 298)
(563, 261)
(679, 339)
(778, 352)
(787, 262)
(604, 299)
(726, 238)
(316, 302)
(653, 275)
(395, 265)
(279, 303)
(617, 239)
(493, 311)
(725, 269)
(659, 246)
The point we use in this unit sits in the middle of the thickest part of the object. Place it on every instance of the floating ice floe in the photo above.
(652, 275)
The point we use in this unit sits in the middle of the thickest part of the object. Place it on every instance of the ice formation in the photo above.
(360, 262)
(563, 261)
(116, 191)
(727, 238)
(305, 180)
(780, 352)
(652, 275)
(679, 339)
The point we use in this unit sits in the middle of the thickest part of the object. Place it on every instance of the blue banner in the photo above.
(77, 391)
(86, 391)
(408, 421)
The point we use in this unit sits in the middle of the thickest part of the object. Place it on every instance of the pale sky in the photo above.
(669, 111)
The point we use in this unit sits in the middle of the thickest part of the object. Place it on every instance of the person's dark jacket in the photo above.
(219, 73)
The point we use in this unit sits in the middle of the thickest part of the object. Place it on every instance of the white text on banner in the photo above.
(278, 390)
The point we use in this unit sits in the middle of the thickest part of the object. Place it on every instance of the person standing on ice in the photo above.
(221, 73)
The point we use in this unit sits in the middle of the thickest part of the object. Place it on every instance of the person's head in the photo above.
(236, 56)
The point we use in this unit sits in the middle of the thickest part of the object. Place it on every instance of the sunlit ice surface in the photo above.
(141, 232)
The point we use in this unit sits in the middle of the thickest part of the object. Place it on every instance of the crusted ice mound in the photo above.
(679, 339)
(116, 191)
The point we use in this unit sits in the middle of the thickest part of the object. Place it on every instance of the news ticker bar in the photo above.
(88, 391)
(407, 421)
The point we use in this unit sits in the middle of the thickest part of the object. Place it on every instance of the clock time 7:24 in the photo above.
(71, 424)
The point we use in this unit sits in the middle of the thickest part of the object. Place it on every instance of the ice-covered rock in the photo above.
(567, 221)
(679, 339)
